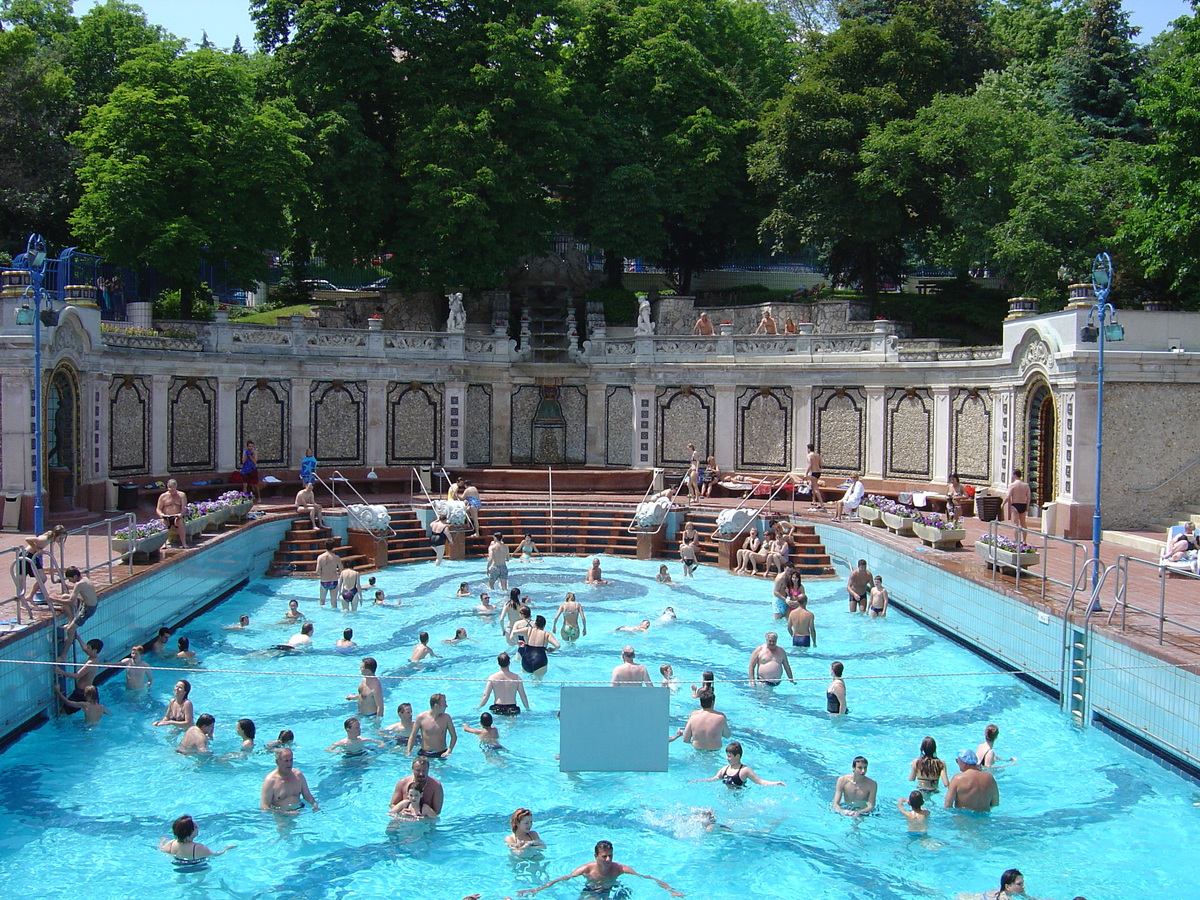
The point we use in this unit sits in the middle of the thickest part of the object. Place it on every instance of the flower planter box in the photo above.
(151, 544)
(1005, 559)
(194, 526)
(869, 514)
(218, 517)
(939, 538)
(897, 524)
(239, 510)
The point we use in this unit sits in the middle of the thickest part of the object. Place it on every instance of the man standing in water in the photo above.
(433, 795)
(285, 789)
(858, 587)
(629, 672)
(329, 569)
(769, 662)
(432, 726)
(601, 875)
(854, 794)
(802, 625)
(972, 788)
(497, 562)
(705, 726)
(504, 686)
(370, 689)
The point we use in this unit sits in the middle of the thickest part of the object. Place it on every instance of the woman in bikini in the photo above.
(927, 770)
(750, 548)
(523, 836)
(179, 709)
(733, 773)
(183, 848)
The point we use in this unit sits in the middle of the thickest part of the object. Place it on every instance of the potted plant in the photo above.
(897, 517)
(937, 531)
(868, 510)
(238, 502)
(195, 519)
(145, 538)
(218, 512)
(1006, 553)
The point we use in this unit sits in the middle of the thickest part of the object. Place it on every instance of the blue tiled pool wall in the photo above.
(1157, 702)
(133, 611)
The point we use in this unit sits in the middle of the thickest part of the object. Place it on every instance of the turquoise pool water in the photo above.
(83, 809)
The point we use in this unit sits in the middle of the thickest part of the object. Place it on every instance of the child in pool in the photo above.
(285, 739)
(463, 590)
(663, 576)
(93, 709)
(917, 815)
(413, 805)
(489, 736)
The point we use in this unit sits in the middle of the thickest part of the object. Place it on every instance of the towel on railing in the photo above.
(369, 517)
(652, 513)
(455, 511)
(731, 521)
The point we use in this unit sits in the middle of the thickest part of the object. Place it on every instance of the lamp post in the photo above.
(35, 260)
(1097, 331)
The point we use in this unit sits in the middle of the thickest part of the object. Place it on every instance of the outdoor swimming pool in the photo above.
(82, 810)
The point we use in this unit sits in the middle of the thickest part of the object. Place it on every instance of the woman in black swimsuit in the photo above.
(533, 649)
(184, 850)
(733, 773)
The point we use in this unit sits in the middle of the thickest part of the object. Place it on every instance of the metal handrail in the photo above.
(550, 488)
(1121, 595)
(1025, 536)
(332, 488)
(757, 513)
(129, 520)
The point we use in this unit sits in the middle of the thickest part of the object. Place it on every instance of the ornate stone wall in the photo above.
(908, 437)
(573, 401)
(192, 421)
(685, 414)
(839, 423)
(971, 434)
(338, 413)
(618, 432)
(264, 415)
(130, 425)
(477, 425)
(414, 424)
(764, 429)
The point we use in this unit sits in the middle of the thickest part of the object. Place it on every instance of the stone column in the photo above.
(597, 429)
(229, 447)
(802, 430)
(502, 422)
(301, 428)
(376, 450)
(725, 439)
(942, 460)
(875, 425)
(160, 458)
(643, 426)
(453, 430)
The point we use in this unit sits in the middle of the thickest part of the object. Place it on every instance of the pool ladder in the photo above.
(1077, 649)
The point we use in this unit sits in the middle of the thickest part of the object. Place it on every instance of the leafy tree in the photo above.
(49, 20)
(1035, 32)
(37, 185)
(669, 91)
(1097, 74)
(184, 164)
(107, 36)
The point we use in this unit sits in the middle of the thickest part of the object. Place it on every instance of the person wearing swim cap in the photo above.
(972, 788)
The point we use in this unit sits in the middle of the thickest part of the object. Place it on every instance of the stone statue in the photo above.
(456, 322)
(644, 324)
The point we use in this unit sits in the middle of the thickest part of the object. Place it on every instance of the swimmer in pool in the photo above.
(572, 615)
(301, 641)
(179, 709)
(246, 730)
(286, 739)
(523, 837)
(93, 710)
(346, 642)
(400, 730)
(663, 576)
(353, 744)
(593, 574)
(370, 689)
(644, 625)
(927, 770)
(196, 738)
(464, 590)
(293, 613)
(485, 607)
(422, 649)
(733, 774)
(601, 875)
(460, 634)
(489, 737)
(413, 806)
(879, 599)
(528, 549)
(913, 809)
(183, 848)
(854, 794)
(433, 727)
(769, 662)
(138, 675)
(242, 622)
(285, 789)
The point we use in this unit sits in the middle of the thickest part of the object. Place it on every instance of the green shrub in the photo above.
(620, 305)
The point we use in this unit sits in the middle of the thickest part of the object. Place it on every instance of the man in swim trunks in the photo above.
(572, 613)
(433, 795)
(630, 672)
(858, 587)
(81, 603)
(972, 788)
(601, 875)
(705, 727)
(284, 788)
(503, 687)
(301, 641)
(87, 672)
(594, 575)
(802, 625)
(353, 744)
(433, 726)
(307, 505)
(170, 507)
(854, 794)
(370, 689)
(348, 588)
(497, 562)
(329, 568)
(769, 661)
(470, 496)
(813, 474)
(1018, 497)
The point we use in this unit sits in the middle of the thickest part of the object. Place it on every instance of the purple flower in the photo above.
(1008, 544)
(139, 532)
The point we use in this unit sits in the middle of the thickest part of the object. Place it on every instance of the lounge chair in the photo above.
(1189, 564)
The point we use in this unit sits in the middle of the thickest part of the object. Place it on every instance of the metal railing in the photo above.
(108, 558)
(1042, 544)
(758, 514)
(338, 478)
(633, 527)
(1124, 566)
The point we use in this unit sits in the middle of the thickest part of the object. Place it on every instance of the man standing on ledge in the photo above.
(972, 788)
(170, 508)
(286, 789)
(629, 672)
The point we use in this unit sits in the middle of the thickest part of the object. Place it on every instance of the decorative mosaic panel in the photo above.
(129, 431)
(477, 425)
(685, 415)
(618, 430)
(908, 433)
(191, 424)
(971, 435)
(414, 421)
(573, 402)
(522, 406)
(764, 429)
(264, 415)
(839, 419)
(338, 412)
